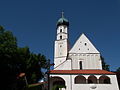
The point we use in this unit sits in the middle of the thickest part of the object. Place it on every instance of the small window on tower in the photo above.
(60, 37)
(85, 44)
(60, 30)
(60, 53)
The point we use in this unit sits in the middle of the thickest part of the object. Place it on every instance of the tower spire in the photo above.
(62, 14)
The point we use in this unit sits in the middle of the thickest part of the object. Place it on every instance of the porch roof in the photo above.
(80, 72)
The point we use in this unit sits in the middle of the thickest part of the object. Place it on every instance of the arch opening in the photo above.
(104, 80)
(57, 83)
(92, 80)
(80, 80)
(60, 37)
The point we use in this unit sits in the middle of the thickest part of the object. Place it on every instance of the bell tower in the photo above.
(61, 42)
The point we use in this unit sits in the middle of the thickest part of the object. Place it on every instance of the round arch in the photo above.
(92, 79)
(104, 80)
(57, 82)
(80, 80)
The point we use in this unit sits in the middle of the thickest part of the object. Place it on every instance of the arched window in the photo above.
(92, 79)
(80, 80)
(104, 80)
(60, 37)
(80, 65)
(60, 30)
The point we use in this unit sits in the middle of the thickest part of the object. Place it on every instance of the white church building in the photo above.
(79, 67)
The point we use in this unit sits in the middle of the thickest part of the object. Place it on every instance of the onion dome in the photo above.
(62, 21)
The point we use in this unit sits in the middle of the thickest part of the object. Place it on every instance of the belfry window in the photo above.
(80, 65)
(60, 30)
(60, 37)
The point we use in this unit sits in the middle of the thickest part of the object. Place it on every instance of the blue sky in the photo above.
(33, 22)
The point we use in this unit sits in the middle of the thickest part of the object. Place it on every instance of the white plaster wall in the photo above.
(74, 62)
(61, 48)
(66, 65)
(58, 62)
(112, 86)
(69, 79)
(89, 61)
(80, 47)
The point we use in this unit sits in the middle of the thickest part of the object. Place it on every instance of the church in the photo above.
(79, 67)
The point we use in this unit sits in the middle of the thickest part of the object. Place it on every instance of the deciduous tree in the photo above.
(105, 66)
(15, 60)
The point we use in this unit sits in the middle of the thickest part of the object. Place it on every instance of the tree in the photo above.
(8, 46)
(118, 69)
(105, 66)
(31, 64)
(15, 60)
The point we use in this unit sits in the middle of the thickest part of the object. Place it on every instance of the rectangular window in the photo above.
(80, 65)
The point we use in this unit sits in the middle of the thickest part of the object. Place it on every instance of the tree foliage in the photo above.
(118, 69)
(15, 60)
(105, 66)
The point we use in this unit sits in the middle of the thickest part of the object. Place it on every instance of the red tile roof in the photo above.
(80, 72)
